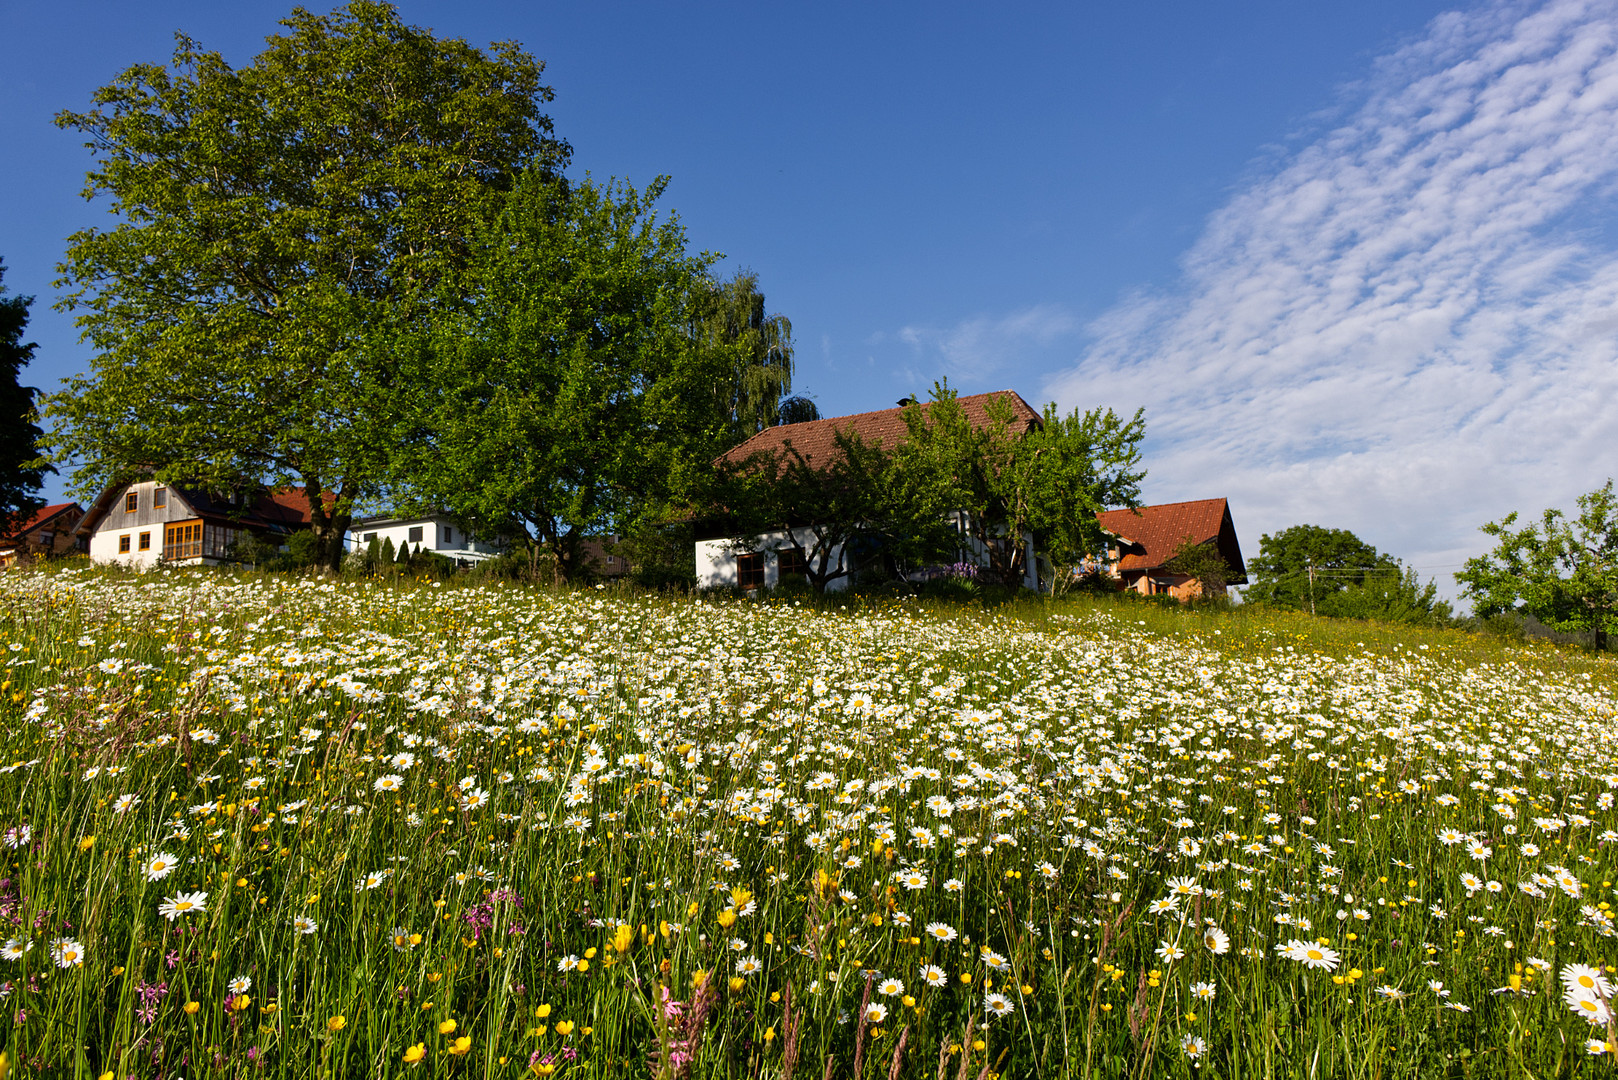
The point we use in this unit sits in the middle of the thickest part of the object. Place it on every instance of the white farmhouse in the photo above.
(436, 533)
(752, 562)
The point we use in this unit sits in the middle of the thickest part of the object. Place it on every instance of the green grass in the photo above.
(613, 795)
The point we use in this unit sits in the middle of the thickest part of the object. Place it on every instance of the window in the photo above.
(131, 502)
(791, 561)
(449, 535)
(415, 535)
(123, 544)
(369, 537)
(146, 541)
(183, 541)
(160, 498)
(750, 570)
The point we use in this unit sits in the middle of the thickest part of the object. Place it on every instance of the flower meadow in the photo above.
(258, 826)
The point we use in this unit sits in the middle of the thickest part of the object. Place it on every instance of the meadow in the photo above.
(259, 826)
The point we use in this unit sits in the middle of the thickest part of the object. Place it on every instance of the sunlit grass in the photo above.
(481, 831)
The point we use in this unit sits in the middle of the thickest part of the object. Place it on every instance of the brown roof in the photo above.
(38, 518)
(815, 438)
(1154, 532)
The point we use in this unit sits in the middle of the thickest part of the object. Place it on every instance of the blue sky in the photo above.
(1357, 261)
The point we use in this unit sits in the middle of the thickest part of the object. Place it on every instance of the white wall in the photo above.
(716, 559)
(458, 546)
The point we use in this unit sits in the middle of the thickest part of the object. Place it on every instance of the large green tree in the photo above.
(560, 393)
(1333, 572)
(20, 478)
(281, 227)
(1005, 480)
(731, 319)
(1563, 572)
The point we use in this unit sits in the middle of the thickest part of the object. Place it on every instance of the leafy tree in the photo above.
(1003, 480)
(796, 409)
(1562, 572)
(282, 227)
(1333, 572)
(562, 395)
(1306, 566)
(730, 319)
(20, 478)
(1202, 562)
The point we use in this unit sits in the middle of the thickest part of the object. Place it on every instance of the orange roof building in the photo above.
(146, 522)
(48, 531)
(1145, 540)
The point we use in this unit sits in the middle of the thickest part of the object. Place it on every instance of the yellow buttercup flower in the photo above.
(337, 1023)
(414, 1055)
(564, 1027)
(461, 1045)
(446, 1027)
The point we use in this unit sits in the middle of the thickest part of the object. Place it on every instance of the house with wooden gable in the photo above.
(146, 522)
(46, 532)
(1143, 541)
(725, 560)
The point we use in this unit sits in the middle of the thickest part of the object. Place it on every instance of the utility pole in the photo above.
(1311, 565)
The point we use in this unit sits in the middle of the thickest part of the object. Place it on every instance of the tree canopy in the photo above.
(1563, 572)
(1333, 572)
(281, 227)
(1003, 480)
(559, 393)
(20, 478)
(730, 318)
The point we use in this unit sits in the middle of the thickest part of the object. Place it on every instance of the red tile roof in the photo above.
(1154, 532)
(815, 438)
(38, 518)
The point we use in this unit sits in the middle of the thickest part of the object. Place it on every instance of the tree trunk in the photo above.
(330, 526)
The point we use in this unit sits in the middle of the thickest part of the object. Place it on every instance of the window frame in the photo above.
(750, 569)
(145, 543)
(160, 498)
(123, 544)
(791, 560)
(131, 501)
(414, 535)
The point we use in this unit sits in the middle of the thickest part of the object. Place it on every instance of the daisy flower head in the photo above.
(1593, 1009)
(160, 866)
(1164, 905)
(241, 984)
(941, 931)
(749, 965)
(1194, 1048)
(997, 1004)
(66, 953)
(125, 804)
(912, 878)
(1583, 979)
(194, 903)
(1170, 952)
(1204, 991)
(303, 924)
(875, 1013)
(954, 885)
(931, 974)
(14, 948)
(388, 782)
(1216, 941)
(1393, 993)
(1599, 1046)
(1309, 954)
(890, 987)
(995, 961)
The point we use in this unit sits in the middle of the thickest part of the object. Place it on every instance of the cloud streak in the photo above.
(1408, 325)
(974, 349)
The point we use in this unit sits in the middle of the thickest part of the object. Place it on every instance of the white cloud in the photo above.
(1409, 326)
(974, 349)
